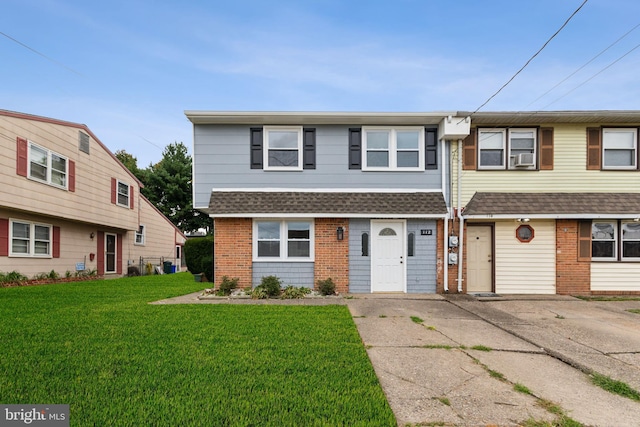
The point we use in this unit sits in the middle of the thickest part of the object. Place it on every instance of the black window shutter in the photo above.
(256, 148)
(355, 144)
(431, 148)
(309, 148)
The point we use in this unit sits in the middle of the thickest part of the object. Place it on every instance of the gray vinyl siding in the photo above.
(221, 161)
(421, 268)
(291, 273)
(359, 266)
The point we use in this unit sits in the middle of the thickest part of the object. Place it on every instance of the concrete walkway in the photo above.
(431, 372)
(454, 360)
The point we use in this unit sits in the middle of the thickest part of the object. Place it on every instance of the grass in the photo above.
(615, 386)
(608, 298)
(416, 319)
(634, 310)
(115, 359)
(520, 388)
(481, 348)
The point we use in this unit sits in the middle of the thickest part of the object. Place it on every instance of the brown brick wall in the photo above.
(573, 277)
(233, 249)
(442, 260)
(331, 254)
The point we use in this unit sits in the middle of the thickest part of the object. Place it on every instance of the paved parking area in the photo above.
(457, 361)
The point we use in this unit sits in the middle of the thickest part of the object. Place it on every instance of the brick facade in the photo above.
(573, 277)
(233, 250)
(331, 254)
(443, 259)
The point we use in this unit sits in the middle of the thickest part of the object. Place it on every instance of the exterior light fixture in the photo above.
(340, 233)
(524, 220)
(92, 235)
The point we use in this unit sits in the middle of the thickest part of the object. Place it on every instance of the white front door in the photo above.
(388, 258)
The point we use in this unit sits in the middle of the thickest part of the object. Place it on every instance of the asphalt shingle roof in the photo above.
(553, 204)
(326, 203)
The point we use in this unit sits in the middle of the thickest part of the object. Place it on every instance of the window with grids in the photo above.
(30, 239)
(393, 148)
(140, 235)
(615, 241)
(47, 166)
(283, 148)
(283, 240)
(123, 194)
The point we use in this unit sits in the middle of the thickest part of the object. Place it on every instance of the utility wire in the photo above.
(41, 54)
(593, 76)
(531, 59)
(587, 63)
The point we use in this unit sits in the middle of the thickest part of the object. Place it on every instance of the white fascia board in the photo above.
(325, 215)
(326, 190)
(553, 216)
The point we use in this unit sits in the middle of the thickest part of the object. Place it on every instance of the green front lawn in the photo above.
(117, 360)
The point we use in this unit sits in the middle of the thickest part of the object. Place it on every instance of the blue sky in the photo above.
(128, 69)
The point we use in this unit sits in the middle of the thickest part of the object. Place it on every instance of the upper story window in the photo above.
(619, 148)
(123, 194)
(276, 240)
(47, 166)
(393, 148)
(282, 148)
(502, 148)
(30, 239)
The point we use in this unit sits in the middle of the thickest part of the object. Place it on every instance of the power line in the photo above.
(531, 59)
(593, 76)
(583, 66)
(41, 54)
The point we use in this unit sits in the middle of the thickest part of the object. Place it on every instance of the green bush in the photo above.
(207, 267)
(293, 292)
(227, 285)
(326, 287)
(12, 277)
(195, 252)
(271, 285)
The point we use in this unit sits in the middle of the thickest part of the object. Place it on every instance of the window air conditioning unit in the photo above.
(524, 160)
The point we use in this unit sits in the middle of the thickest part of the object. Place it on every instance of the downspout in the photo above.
(460, 219)
(445, 246)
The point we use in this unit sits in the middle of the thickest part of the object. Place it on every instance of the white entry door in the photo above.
(388, 258)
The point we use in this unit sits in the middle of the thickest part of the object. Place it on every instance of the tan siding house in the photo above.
(67, 203)
(558, 197)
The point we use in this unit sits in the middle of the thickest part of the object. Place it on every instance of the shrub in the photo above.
(195, 250)
(12, 277)
(259, 293)
(326, 287)
(227, 285)
(207, 267)
(293, 292)
(271, 285)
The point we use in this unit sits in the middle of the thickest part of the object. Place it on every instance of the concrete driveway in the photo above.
(458, 361)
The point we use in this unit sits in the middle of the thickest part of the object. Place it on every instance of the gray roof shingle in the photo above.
(233, 203)
(561, 204)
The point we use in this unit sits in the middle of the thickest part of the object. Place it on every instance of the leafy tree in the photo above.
(131, 162)
(167, 185)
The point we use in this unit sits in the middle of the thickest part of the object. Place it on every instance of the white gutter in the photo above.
(445, 246)
(460, 217)
(557, 216)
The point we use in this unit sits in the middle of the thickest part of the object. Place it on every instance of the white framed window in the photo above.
(630, 236)
(283, 240)
(501, 148)
(283, 148)
(140, 235)
(619, 148)
(491, 148)
(522, 148)
(397, 149)
(604, 241)
(30, 239)
(122, 197)
(47, 166)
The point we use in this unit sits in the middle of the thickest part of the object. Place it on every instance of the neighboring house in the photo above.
(551, 203)
(67, 203)
(360, 198)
